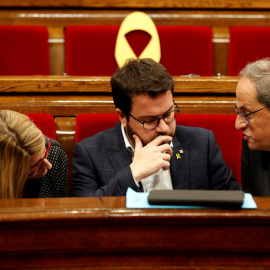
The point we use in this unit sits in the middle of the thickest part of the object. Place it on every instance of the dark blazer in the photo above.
(255, 171)
(101, 163)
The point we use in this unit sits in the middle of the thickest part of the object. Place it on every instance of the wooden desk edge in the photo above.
(86, 84)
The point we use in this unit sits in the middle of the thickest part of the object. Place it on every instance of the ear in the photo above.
(122, 117)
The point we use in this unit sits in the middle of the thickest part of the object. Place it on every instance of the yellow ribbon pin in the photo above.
(178, 155)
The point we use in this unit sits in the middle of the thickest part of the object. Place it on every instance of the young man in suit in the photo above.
(253, 108)
(146, 150)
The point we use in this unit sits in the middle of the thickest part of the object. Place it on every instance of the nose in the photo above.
(162, 126)
(239, 123)
(46, 164)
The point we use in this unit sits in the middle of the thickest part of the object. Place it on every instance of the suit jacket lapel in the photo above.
(179, 166)
(117, 152)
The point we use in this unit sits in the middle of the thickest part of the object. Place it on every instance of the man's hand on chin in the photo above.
(151, 158)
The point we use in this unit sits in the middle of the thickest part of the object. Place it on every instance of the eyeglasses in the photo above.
(168, 117)
(37, 167)
(245, 115)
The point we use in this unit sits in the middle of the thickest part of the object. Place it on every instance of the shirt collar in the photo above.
(127, 143)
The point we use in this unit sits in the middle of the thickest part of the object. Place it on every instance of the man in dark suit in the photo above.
(253, 108)
(146, 150)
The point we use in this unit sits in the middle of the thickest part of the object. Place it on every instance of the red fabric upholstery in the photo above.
(247, 44)
(184, 49)
(24, 50)
(45, 122)
(88, 125)
(228, 138)
(90, 50)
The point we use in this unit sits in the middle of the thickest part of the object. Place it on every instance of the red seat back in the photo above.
(88, 125)
(90, 50)
(184, 49)
(228, 138)
(45, 122)
(247, 44)
(24, 50)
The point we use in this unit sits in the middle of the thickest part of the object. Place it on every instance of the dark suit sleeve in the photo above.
(246, 175)
(94, 176)
(220, 175)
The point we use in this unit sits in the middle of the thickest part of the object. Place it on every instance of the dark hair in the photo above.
(137, 77)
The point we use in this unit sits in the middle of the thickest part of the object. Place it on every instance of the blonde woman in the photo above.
(31, 165)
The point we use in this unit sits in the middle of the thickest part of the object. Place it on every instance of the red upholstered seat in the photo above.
(247, 44)
(45, 122)
(88, 125)
(228, 138)
(24, 50)
(90, 50)
(184, 49)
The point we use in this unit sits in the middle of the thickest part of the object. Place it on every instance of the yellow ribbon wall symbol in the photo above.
(137, 21)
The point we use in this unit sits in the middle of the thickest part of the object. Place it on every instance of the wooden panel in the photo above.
(70, 96)
(57, 50)
(63, 17)
(165, 4)
(74, 105)
(65, 135)
(101, 85)
(100, 233)
(221, 40)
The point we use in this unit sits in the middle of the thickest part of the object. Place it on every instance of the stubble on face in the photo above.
(130, 132)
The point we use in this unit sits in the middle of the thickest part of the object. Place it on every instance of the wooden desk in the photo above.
(100, 233)
(73, 95)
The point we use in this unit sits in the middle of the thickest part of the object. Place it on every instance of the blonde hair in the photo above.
(19, 139)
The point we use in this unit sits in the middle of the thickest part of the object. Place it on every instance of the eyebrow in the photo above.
(148, 117)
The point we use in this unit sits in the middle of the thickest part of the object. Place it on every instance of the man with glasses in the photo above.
(146, 150)
(253, 109)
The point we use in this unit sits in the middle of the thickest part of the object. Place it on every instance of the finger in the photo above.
(165, 148)
(166, 166)
(138, 142)
(166, 157)
(162, 139)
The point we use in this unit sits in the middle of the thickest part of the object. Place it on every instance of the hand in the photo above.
(151, 158)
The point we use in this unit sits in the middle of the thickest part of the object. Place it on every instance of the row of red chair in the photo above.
(89, 50)
(227, 137)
